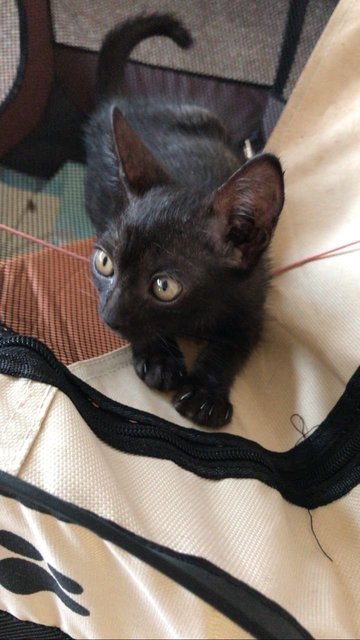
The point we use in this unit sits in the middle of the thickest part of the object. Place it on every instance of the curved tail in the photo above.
(119, 43)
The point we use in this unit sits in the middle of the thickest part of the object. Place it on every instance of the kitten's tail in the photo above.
(119, 43)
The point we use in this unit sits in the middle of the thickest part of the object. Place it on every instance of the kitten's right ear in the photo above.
(245, 210)
(139, 170)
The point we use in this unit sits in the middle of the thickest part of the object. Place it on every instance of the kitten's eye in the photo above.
(103, 264)
(166, 289)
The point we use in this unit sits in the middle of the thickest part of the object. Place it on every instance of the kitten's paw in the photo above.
(203, 405)
(160, 371)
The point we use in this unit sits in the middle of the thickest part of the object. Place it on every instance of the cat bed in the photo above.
(118, 517)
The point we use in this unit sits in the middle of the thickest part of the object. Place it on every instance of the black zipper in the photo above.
(318, 470)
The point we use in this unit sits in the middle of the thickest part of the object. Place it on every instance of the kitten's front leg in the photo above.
(204, 395)
(159, 363)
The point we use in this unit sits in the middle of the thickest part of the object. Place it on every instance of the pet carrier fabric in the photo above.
(227, 35)
(246, 48)
(26, 67)
(10, 33)
(120, 520)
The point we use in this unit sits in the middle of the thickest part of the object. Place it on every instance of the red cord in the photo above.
(72, 254)
(26, 236)
(316, 256)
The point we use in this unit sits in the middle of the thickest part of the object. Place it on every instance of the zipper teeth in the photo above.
(34, 345)
(214, 452)
(221, 452)
(201, 451)
(327, 468)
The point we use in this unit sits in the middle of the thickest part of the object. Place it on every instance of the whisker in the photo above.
(168, 348)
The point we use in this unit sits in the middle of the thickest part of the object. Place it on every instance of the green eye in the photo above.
(166, 289)
(103, 264)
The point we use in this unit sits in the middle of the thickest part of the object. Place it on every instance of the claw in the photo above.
(186, 395)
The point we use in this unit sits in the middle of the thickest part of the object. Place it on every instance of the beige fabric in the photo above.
(17, 433)
(242, 526)
(125, 597)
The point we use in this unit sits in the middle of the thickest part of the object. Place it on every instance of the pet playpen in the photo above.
(119, 519)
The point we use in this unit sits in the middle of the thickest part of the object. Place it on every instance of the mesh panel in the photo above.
(234, 40)
(9, 20)
(45, 293)
(227, 34)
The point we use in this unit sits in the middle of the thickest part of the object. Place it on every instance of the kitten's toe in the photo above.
(203, 406)
(160, 372)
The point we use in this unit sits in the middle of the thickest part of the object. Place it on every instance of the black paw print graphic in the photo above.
(25, 577)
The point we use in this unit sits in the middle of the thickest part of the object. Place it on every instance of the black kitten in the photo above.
(181, 231)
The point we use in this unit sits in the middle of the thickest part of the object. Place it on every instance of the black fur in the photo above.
(166, 196)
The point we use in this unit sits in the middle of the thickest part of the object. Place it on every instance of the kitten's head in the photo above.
(173, 263)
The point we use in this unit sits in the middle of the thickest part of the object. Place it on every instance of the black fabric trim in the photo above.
(320, 469)
(23, 43)
(245, 606)
(294, 25)
(12, 628)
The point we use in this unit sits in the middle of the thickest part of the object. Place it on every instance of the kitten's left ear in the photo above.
(247, 208)
(139, 170)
